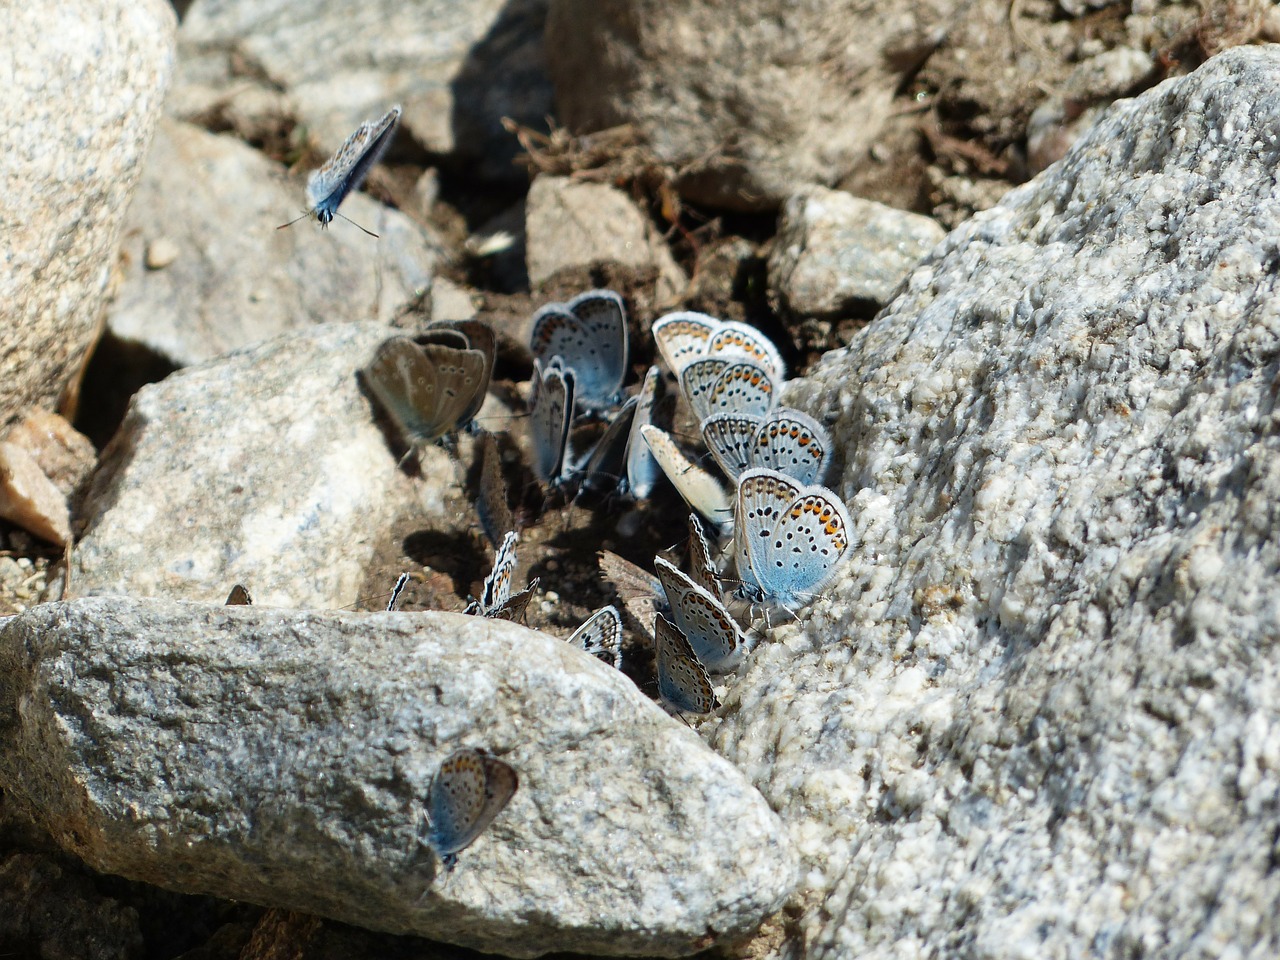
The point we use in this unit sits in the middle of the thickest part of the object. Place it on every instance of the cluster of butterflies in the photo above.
(788, 533)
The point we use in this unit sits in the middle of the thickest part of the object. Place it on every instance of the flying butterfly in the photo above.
(345, 170)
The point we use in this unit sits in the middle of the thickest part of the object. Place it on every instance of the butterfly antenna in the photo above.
(304, 216)
(354, 224)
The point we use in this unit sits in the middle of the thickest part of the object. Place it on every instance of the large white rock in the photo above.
(282, 758)
(84, 82)
(1039, 714)
(266, 467)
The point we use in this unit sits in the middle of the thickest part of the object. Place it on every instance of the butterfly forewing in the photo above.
(468, 791)
(793, 443)
(601, 636)
(743, 388)
(239, 596)
(683, 337)
(762, 497)
(682, 680)
(731, 438)
(550, 410)
(733, 340)
(642, 468)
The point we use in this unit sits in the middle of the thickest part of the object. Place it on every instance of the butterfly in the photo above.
(786, 440)
(550, 414)
(346, 169)
(428, 389)
(466, 335)
(683, 683)
(494, 513)
(239, 596)
(589, 335)
(620, 462)
(788, 538)
(468, 791)
(402, 581)
(687, 336)
(639, 589)
(601, 635)
(713, 385)
(699, 488)
(704, 570)
(496, 599)
(704, 621)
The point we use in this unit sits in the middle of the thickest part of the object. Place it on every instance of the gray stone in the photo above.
(457, 69)
(265, 467)
(85, 80)
(834, 250)
(1039, 714)
(745, 100)
(281, 758)
(236, 279)
(575, 224)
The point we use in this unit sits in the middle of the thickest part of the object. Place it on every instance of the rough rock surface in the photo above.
(267, 467)
(745, 99)
(281, 758)
(236, 279)
(834, 249)
(85, 81)
(570, 224)
(457, 69)
(1040, 713)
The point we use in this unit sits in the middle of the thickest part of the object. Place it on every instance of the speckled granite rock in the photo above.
(1040, 713)
(266, 467)
(84, 83)
(282, 757)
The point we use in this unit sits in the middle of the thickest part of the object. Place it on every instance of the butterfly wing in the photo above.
(704, 569)
(495, 515)
(683, 337)
(601, 636)
(403, 381)
(697, 381)
(589, 334)
(763, 497)
(459, 382)
(682, 680)
(642, 468)
(497, 586)
(731, 439)
(550, 410)
(638, 588)
(514, 608)
(478, 336)
(468, 791)
(239, 596)
(712, 633)
(742, 388)
(793, 443)
(733, 341)
(606, 464)
(699, 488)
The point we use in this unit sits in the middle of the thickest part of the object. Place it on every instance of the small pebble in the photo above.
(161, 252)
